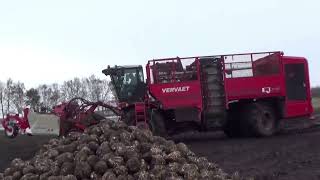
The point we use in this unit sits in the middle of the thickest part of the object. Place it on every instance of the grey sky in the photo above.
(51, 41)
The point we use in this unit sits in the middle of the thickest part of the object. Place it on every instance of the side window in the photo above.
(295, 81)
(141, 78)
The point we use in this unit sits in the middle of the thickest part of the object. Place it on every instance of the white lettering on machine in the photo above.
(176, 89)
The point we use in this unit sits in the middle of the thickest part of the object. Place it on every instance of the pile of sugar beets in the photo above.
(112, 150)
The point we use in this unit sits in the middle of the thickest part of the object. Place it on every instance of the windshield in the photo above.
(128, 83)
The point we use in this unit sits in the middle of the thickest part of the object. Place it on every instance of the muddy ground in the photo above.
(288, 156)
(23, 147)
(285, 157)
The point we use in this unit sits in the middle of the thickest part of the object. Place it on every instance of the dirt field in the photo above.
(289, 156)
(285, 157)
(23, 147)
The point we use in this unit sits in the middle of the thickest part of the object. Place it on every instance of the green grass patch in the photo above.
(316, 104)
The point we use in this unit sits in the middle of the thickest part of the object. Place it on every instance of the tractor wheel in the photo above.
(236, 126)
(156, 121)
(128, 117)
(12, 131)
(232, 127)
(261, 119)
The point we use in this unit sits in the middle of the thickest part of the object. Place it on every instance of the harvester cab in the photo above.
(128, 82)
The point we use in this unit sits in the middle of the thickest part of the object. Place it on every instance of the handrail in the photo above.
(193, 57)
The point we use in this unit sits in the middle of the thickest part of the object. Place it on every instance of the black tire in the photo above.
(261, 119)
(232, 127)
(235, 126)
(157, 124)
(156, 121)
(14, 133)
(128, 117)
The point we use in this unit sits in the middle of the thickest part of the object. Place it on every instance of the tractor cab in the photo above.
(128, 82)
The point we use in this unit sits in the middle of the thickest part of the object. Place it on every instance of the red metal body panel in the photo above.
(254, 87)
(175, 94)
(265, 81)
(183, 94)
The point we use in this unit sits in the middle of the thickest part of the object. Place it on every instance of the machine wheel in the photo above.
(261, 119)
(157, 124)
(156, 121)
(232, 127)
(12, 131)
(128, 117)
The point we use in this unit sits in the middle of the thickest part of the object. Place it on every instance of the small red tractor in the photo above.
(241, 94)
(14, 124)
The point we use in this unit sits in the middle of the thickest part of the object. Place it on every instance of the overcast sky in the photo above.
(51, 41)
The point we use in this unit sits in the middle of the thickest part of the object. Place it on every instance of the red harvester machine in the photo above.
(242, 94)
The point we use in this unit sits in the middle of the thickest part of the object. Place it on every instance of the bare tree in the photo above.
(18, 90)
(33, 99)
(66, 90)
(13, 96)
(8, 94)
(98, 90)
(45, 93)
(55, 95)
(73, 88)
(95, 88)
(80, 88)
(107, 93)
(2, 98)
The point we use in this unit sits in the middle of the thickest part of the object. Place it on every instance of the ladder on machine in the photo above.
(141, 115)
(213, 93)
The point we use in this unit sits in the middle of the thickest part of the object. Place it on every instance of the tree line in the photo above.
(14, 96)
(315, 92)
